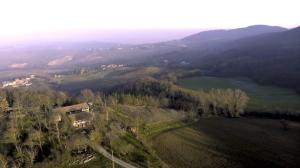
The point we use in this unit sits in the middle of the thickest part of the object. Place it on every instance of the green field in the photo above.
(222, 142)
(262, 98)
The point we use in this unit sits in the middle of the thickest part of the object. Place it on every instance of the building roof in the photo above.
(76, 107)
(81, 116)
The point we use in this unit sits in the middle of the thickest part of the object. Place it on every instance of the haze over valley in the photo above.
(134, 84)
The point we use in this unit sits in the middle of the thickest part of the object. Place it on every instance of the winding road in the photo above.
(109, 156)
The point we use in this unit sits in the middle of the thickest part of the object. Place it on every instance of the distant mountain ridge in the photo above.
(217, 36)
(269, 58)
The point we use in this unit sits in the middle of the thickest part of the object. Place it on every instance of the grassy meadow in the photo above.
(222, 142)
(262, 98)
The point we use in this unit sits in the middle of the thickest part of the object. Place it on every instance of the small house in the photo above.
(81, 120)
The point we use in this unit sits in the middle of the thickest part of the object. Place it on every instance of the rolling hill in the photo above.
(214, 37)
(268, 55)
(268, 58)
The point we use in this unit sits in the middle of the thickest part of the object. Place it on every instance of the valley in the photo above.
(218, 98)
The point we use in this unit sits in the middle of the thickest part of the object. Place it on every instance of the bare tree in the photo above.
(31, 153)
(3, 161)
(86, 96)
(240, 101)
(3, 103)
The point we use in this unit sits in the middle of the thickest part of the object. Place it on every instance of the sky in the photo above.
(48, 19)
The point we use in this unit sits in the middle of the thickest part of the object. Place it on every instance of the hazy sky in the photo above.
(21, 18)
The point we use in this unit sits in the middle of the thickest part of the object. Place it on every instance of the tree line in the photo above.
(225, 102)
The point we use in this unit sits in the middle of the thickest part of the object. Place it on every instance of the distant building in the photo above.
(112, 66)
(184, 63)
(18, 82)
(57, 76)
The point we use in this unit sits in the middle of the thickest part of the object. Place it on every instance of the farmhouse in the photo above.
(79, 114)
(81, 120)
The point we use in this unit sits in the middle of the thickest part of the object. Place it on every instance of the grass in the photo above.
(132, 150)
(99, 161)
(152, 130)
(149, 114)
(152, 121)
(223, 142)
(262, 98)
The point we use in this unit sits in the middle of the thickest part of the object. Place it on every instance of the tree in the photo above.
(12, 133)
(31, 150)
(98, 103)
(18, 109)
(240, 101)
(37, 137)
(66, 131)
(204, 103)
(30, 154)
(3, 161)
(86, 95)
(96, 134)
(55, 119)
(3, 103)
(112, 101)
(60, 98)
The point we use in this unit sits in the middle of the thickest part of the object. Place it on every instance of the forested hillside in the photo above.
(269, 59)
(215, 37)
